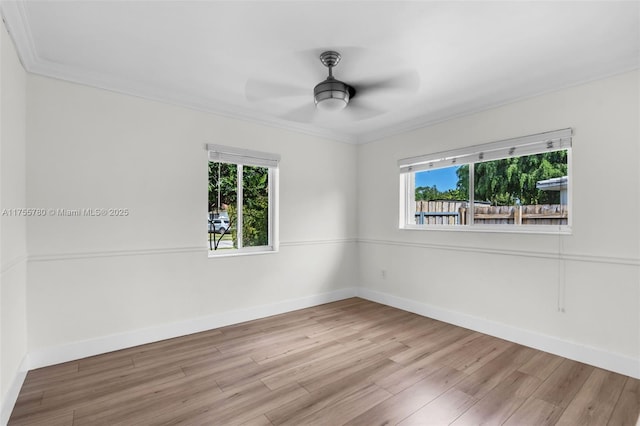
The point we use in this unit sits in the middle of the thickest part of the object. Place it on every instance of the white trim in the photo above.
(13, 263)
(81, 349)
(520, 146)
(15, 19)
(9, 400)
(318, 242)
(269, 249)
(113, 253)
(161, 251)
(495, 228)
(229, 154)
(240, 205)
(274, 208)
(247, 251)
(472, 196)
(576, 257)
(273, 204)
(618, 363)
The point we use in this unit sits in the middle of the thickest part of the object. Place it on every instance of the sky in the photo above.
(443, 179)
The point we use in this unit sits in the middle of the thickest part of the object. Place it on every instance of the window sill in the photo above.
(234, 253)
(520, 229)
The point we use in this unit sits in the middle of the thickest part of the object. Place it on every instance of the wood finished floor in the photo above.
(351, 362)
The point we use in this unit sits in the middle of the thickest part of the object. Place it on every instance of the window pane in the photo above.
(223, 196)
(255, 206)
(442, 196)
(527, 190)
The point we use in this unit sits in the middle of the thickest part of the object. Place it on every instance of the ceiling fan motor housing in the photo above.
(331, 94)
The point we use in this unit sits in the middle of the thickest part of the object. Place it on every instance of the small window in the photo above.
(519, 184)
(242, 194)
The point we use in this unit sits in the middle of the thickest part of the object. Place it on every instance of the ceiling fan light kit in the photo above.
(332, 94)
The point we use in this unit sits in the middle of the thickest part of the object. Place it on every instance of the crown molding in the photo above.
(14, 16)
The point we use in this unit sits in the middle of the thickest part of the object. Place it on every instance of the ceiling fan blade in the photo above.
(303, 114)
(358, 110)
(405, 81)
(260, 90)
(353, 112)
(307, 63)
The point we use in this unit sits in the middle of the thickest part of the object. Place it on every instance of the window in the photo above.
(242, 200)
(518, 184)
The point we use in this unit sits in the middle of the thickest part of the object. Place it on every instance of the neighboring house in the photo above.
(555, 184)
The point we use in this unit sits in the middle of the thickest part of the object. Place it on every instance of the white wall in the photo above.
(97, 284)
(13, 260)
(513, 284)
(108, 278)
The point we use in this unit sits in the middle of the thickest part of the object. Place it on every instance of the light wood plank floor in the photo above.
(351, 362)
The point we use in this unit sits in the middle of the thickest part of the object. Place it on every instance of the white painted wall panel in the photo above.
(91, 277)
(13, 278)
(516, 279)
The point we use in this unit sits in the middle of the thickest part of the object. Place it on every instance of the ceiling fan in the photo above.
(332, 94)
(334, 99)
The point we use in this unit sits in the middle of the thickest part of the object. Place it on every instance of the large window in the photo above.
(242, 200)
(517, 184)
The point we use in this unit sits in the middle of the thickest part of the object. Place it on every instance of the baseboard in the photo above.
(76, 350)
(11, 397)
(587, 354)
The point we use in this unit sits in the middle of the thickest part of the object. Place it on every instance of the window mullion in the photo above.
(411, 197)
(472, 194)
(239, 204)
(270, 208)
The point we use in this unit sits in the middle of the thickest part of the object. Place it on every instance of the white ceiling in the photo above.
(455, 57)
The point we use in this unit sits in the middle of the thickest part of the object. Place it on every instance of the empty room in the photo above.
(417, 213)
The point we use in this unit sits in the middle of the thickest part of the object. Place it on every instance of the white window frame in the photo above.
(245, 157)
(516, 147)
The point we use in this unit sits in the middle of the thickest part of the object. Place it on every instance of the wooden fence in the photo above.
(443, 212)
(440, 212)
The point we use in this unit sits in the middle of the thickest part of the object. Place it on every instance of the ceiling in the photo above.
(426, 61)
